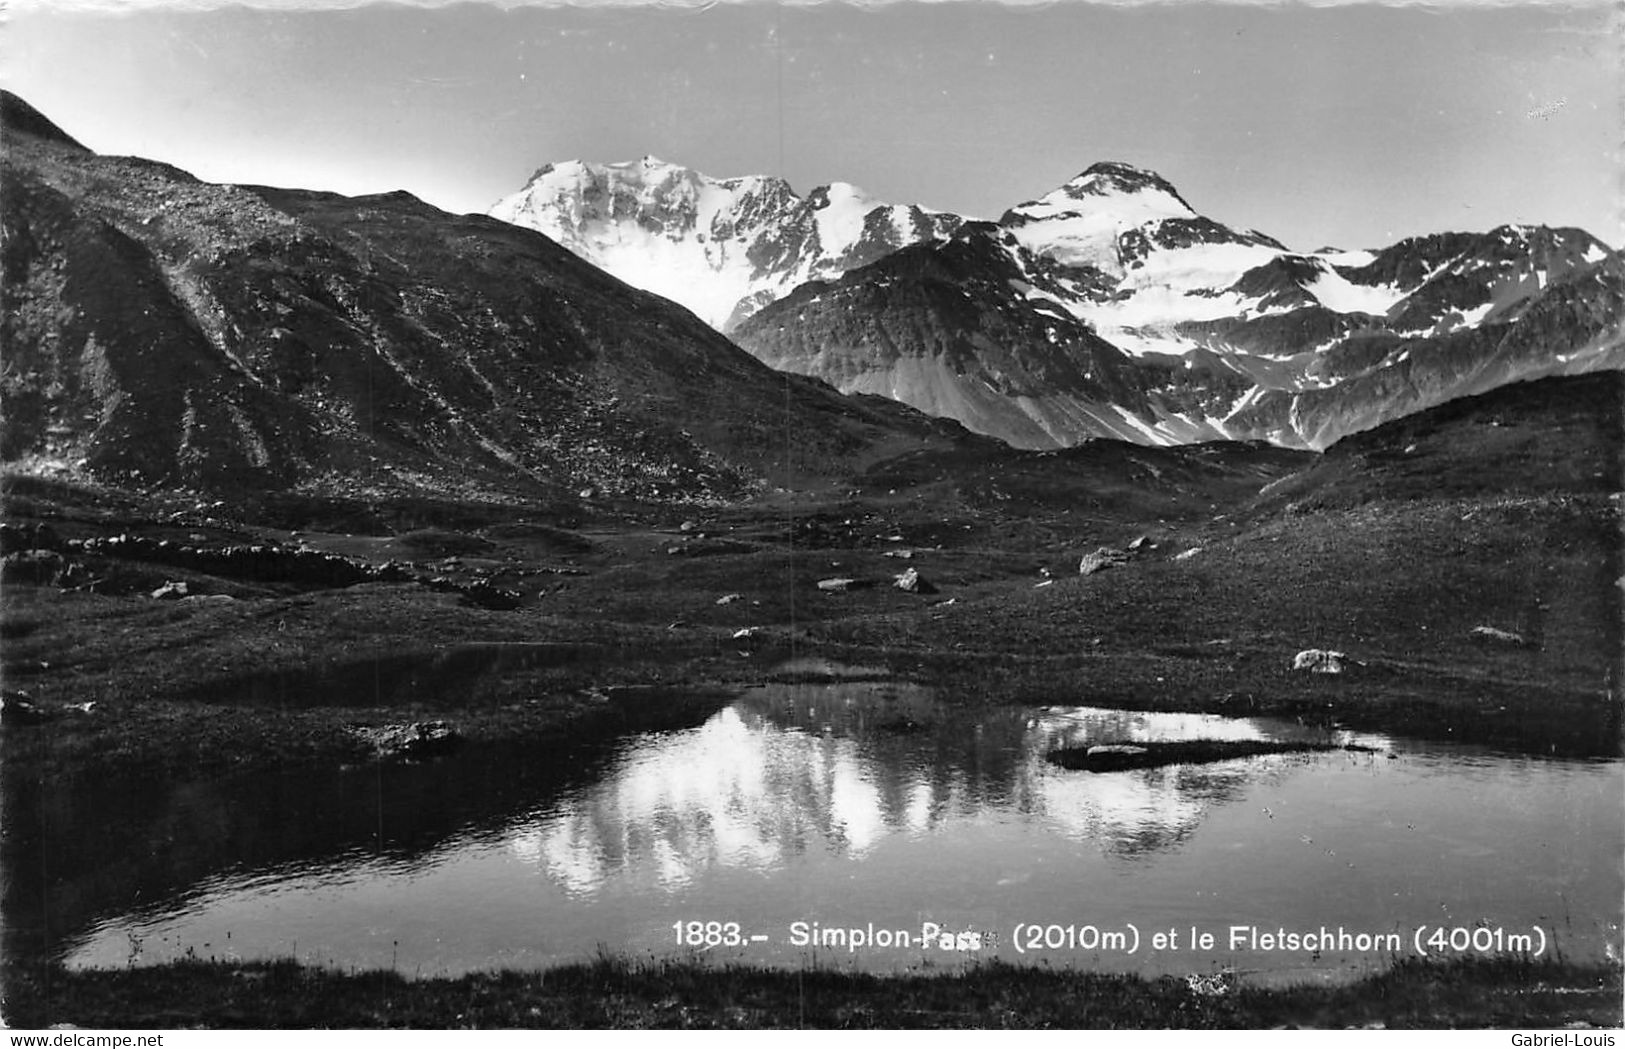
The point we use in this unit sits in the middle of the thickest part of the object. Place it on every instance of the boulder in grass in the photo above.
(911, 582)
(170, 591)
(417, 739)
(1320, 661)
(1100, 560)
(728, 599)
(838, 585)
(1502, 637)
(18, 708)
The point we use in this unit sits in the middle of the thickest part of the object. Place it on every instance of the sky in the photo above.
(1348, 124)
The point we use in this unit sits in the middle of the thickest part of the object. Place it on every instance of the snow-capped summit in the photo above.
(1120, 220)
(721, 247)
(1114, 178)
(1079, 223)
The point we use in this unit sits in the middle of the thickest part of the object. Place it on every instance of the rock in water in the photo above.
(1100, 560)
(1319, 661)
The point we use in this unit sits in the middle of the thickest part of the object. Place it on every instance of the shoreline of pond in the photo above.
(1495, 992)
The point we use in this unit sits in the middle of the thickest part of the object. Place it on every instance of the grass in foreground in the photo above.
(1473, 993)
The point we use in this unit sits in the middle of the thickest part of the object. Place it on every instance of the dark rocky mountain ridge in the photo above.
(945, 328)
(161, 330)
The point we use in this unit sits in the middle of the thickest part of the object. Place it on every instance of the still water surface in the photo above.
(859, 803)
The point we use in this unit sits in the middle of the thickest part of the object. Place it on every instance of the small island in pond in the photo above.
(1116, 757)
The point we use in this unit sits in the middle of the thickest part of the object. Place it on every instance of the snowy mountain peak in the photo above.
(841, 194)
(1113, 186)
(1112, 177)
(1080, 223)
(721, 247)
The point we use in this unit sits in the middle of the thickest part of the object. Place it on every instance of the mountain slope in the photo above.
(161, 330)
(1561, 436)
(961, 330)
(1223, 334)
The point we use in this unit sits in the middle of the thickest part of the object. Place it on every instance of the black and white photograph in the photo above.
(917, 514)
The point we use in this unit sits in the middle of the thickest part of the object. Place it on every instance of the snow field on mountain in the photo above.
(708, 282)
(1337, 292)
(840, 222)
(1079, 224)
(708, 244)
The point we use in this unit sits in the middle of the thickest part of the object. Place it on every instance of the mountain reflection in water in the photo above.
(861, 800)
(838, 768)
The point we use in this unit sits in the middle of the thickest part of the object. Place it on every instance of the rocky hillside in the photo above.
(164, 331)
(1559, 438)
(953, 330)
